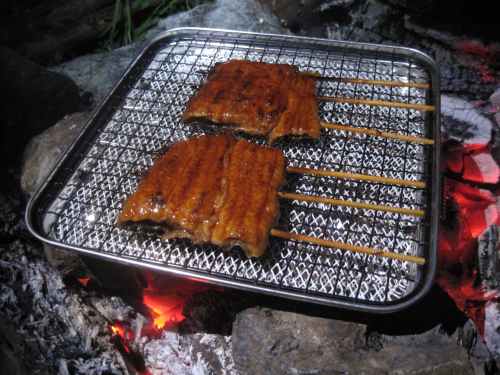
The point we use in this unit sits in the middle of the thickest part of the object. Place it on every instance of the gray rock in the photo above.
(311, 17)
(99, 73)
(245, 15)
(495, 98)
(43, 151)
(40, 157)
(276, 342)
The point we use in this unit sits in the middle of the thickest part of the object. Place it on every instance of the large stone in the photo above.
(44, 150)
(245, 15)
(41, 156)
(34, 99)
(99, 73)
(311, 17)
(267, 341)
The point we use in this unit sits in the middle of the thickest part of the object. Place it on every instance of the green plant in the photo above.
(132, 18)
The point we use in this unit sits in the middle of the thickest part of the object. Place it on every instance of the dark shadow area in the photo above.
(460, 17)
(214, 312)
(34, 99)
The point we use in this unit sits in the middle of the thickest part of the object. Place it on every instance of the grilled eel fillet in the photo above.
(273, 100)
(212, 189)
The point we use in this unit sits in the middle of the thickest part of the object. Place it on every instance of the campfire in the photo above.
(162, 308)
(470, 211)
(79, 315)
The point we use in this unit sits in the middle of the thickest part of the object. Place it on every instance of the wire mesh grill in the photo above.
(144, 115)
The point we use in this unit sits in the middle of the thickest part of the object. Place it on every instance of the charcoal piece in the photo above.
(213, 311)
(116, 279)
(11, 344)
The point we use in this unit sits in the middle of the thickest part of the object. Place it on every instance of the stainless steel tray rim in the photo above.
(227, 282)
(339, 303)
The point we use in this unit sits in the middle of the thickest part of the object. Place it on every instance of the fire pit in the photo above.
(84, 315)
(77, 210)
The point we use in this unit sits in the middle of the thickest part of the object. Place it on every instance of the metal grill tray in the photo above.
(77, 206)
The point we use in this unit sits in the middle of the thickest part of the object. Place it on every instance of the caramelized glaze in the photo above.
(273, 100)
(212, 189)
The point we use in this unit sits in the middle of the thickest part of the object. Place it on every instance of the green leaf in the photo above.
(145, 14)
(116, 19)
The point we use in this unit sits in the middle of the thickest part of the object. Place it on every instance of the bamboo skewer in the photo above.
(357, 176)
(340, 245)
(344, 246)
(378, 133)
(375, 82)
(361, 81)
(379, 103)
(339, 202)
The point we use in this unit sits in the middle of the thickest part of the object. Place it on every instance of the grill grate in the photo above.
(79, 205)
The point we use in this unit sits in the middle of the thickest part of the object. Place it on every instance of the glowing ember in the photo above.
(470, 211)
(475, 210)
(486, 55)
(84, 280)
(468, 297)
(481, 167)
(123, 338)
(474, 47)
(166, 309)
(166, 296)
(119, 329)
(473, 161)
(477, 207)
